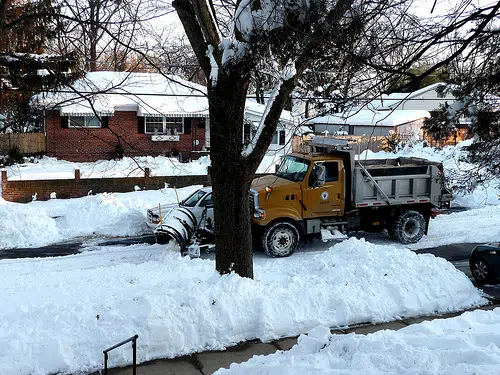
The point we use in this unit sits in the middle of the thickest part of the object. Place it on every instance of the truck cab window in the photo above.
(332, 171)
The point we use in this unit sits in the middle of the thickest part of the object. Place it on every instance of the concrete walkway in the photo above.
(207, 363)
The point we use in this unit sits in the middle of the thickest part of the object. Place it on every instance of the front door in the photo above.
(327, 199)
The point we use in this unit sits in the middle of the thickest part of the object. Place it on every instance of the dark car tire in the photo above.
(481, 270)
(408, 227)
(281, 239)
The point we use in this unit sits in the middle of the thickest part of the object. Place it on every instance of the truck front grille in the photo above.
(253, 200)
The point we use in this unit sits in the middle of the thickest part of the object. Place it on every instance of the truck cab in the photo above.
(306, 190)
(328, 188)
(304, 186)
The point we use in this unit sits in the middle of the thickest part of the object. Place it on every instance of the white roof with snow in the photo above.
(366, 117)
(150, 94)
(394, 100)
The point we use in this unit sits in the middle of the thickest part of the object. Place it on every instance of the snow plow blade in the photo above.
(179, 225)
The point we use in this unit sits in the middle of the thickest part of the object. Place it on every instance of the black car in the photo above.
(484, 262)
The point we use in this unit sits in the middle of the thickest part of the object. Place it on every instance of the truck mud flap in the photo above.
(178, 225)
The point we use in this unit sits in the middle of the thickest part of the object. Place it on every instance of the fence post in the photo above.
(147, 172)
(3, 183)
(77, 174)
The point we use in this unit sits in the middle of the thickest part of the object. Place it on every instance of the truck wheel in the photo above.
(280, 239)
(408, 227)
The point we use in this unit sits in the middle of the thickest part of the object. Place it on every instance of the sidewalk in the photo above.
(207, 363)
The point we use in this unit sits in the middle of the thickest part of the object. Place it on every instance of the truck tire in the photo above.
(408, 227)
(280, 239)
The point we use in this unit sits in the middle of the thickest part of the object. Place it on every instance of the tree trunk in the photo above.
(231, 177)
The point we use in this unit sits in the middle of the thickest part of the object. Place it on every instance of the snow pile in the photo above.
(468, 344)
(58, 314)
(450, 156)
(119, 214)
(25, 225)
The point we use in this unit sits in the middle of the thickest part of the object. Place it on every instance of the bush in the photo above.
(119, 151)
(391, 142)
(14, 156)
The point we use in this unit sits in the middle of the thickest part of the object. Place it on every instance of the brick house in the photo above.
(135, 114)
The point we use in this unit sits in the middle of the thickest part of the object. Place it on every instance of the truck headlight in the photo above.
(259, 214)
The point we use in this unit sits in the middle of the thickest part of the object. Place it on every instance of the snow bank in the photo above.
(26, 226)
(58, 314)
(119, 214)
(468, 344)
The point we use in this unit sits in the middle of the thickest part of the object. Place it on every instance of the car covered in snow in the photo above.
(484, 262)
(196, 203)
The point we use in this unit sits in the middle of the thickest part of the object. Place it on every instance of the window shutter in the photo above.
(105, 122)
(140, 124)
(64, 122)
(187, 125)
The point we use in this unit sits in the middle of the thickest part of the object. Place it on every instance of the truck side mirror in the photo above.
(276, 168)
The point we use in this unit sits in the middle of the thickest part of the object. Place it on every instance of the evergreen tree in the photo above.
(26, 27)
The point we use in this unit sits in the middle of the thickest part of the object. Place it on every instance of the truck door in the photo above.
(328, 198)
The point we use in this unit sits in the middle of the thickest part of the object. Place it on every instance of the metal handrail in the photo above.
(134, 354)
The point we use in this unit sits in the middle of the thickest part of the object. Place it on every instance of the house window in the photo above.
(84, 122)
(164, 125)
(279, 138)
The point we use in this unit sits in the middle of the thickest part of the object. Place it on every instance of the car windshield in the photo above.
(193, 198)
(293, 168)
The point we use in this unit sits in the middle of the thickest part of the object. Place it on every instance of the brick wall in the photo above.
(84, 144)
(22, 191)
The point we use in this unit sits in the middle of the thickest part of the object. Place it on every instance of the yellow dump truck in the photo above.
(329, 188)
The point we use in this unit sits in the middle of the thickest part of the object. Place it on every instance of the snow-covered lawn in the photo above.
(58, 314)
(467, 344)
(52, 168)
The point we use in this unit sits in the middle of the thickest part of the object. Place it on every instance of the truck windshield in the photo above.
(293, 168)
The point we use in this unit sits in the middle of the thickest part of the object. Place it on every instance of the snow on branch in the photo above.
(266, 15)
(286, 74)
(214, 68)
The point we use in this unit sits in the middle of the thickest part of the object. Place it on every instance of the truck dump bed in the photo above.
(382, 182)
